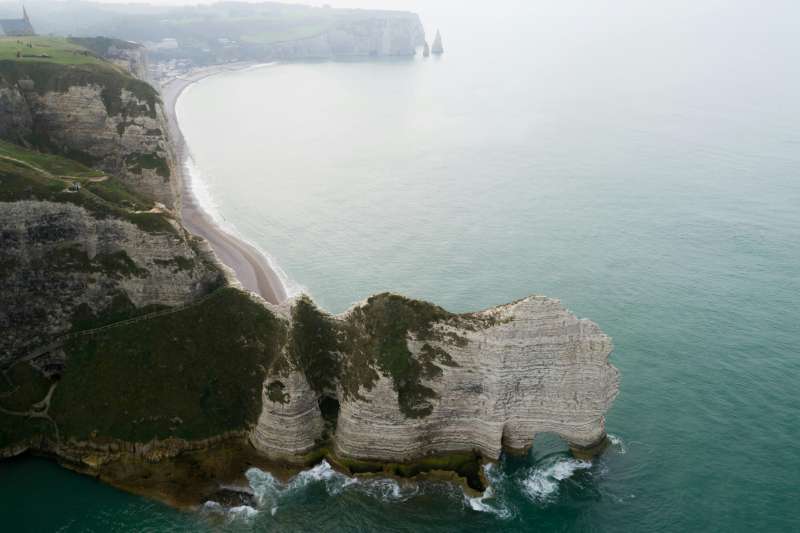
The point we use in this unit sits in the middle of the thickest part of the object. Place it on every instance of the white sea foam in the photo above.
(491, 501)
(201, 190)
(269, 491)
(618, 444)
(541, 484)
(241, 512)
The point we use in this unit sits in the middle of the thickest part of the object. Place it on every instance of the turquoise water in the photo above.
(642, 167)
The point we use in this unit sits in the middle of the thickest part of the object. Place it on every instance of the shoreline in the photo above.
(251, 267)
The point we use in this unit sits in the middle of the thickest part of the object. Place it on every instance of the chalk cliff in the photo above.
(65, 267)
(128, 55)
(375, 37)
(96, 114)
(413, 380)
(128, 352)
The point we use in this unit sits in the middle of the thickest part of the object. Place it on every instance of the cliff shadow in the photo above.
(329, 407)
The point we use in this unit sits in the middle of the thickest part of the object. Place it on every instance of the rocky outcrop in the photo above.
(373, 37)
(63, 266)
(413, 380)
(290, 425)
(96, 115)
(15, 115)
(437, 47)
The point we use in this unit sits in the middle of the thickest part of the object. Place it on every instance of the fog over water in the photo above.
(638, 160)
(639, 163)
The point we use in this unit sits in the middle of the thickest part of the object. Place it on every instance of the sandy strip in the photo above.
(251, 266)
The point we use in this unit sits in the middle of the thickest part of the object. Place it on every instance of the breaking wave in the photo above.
(491, 501)
(541, 482)
(269, 492)
(618, 444)
(242, 512)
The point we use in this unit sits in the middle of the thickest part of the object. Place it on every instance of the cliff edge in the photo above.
(130, 353)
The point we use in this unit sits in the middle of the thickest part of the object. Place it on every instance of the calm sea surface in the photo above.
(642, 167)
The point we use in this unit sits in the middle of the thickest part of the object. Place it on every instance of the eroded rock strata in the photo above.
(66, 268)
(96, 114)
(128, 352)
(413, 380)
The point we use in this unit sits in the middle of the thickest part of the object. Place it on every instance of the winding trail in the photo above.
(49, 174)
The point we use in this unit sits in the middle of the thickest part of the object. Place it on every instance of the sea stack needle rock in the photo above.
(438, 48)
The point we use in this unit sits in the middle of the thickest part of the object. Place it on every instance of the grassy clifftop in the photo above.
(37, 49)
(194, 373)
(56, 64)
(29, 175)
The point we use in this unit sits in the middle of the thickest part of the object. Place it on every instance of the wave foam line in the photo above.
(541, 484)
(270, 492)
(201, 190)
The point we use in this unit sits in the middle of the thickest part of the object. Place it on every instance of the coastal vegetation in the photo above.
(192, 374)
(53, 164)
(152, 161)
(47, 76)
(39, 49)
(377, 339)
(104, 199)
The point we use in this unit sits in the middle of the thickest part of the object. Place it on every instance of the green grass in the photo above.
(54, 164)
(70, 65)
(112, 199)
(59, 50)
(100, 45)
(314, 345)
(137, 162)
(119, 307)
(377, 338)
(193, 374)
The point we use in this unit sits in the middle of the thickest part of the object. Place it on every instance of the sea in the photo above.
(640, 161)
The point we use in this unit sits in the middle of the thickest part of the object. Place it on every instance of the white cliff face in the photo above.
(377, 37)
(538, 369)
(290, 425)
(60, 264)
(79, 120)
(502, 377)
(129, 142)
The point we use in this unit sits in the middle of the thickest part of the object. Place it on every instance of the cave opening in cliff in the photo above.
(329, 406)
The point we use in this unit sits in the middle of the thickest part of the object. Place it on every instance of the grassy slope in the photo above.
(67, 64)
(193, 374)
(103, 199)
(58, 49)
(56, 165)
